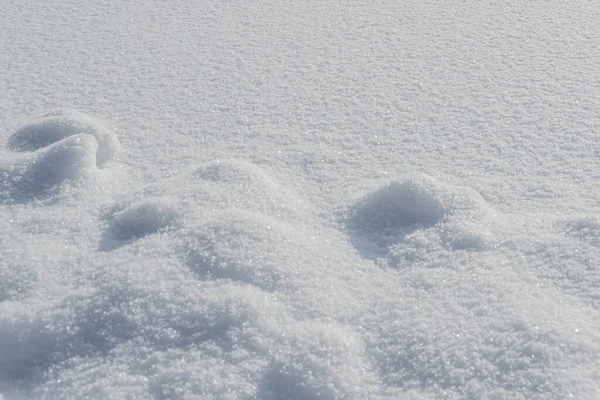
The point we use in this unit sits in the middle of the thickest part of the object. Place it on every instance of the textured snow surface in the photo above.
(299, 200)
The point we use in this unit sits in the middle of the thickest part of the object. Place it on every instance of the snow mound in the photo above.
(218, 185)
(513, 357)
(391, 214)
(143, 217)
(245, 302)
(400, 205)
(58, 125)
(60, 147)
(245, 247)
(89, 324)
(41, 173)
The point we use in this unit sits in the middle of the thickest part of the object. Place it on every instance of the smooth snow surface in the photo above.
(299, 200)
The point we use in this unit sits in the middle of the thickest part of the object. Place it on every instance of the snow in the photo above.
(60, 147)
(309, 200)
(58, 125)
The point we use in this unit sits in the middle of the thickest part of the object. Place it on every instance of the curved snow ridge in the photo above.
(58, 148)
(389, 215)
(58, 125)
(41, 173)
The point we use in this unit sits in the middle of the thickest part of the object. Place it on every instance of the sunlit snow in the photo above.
(299, 200)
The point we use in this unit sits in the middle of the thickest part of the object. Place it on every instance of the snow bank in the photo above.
(252, 300)
(221, 282)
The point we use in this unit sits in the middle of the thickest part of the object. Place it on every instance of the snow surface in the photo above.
(299, 200)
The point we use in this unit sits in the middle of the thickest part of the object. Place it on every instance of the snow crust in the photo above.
(322, 200)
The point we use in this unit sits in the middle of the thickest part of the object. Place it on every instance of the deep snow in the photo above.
(309, 200)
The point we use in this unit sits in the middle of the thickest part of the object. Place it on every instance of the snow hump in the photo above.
(59, 125)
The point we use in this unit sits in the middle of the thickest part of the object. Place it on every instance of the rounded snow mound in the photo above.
(143, 218)
(42, 172)
(413, 203)
(245, 247)
(58, 125)
(402, 205)
(389, 214)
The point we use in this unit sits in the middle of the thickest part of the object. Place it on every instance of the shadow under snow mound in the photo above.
(56, 126)
(139, 219)
(387, 215)
(143, 218)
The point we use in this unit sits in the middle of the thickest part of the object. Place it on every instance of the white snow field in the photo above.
(333, 199)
